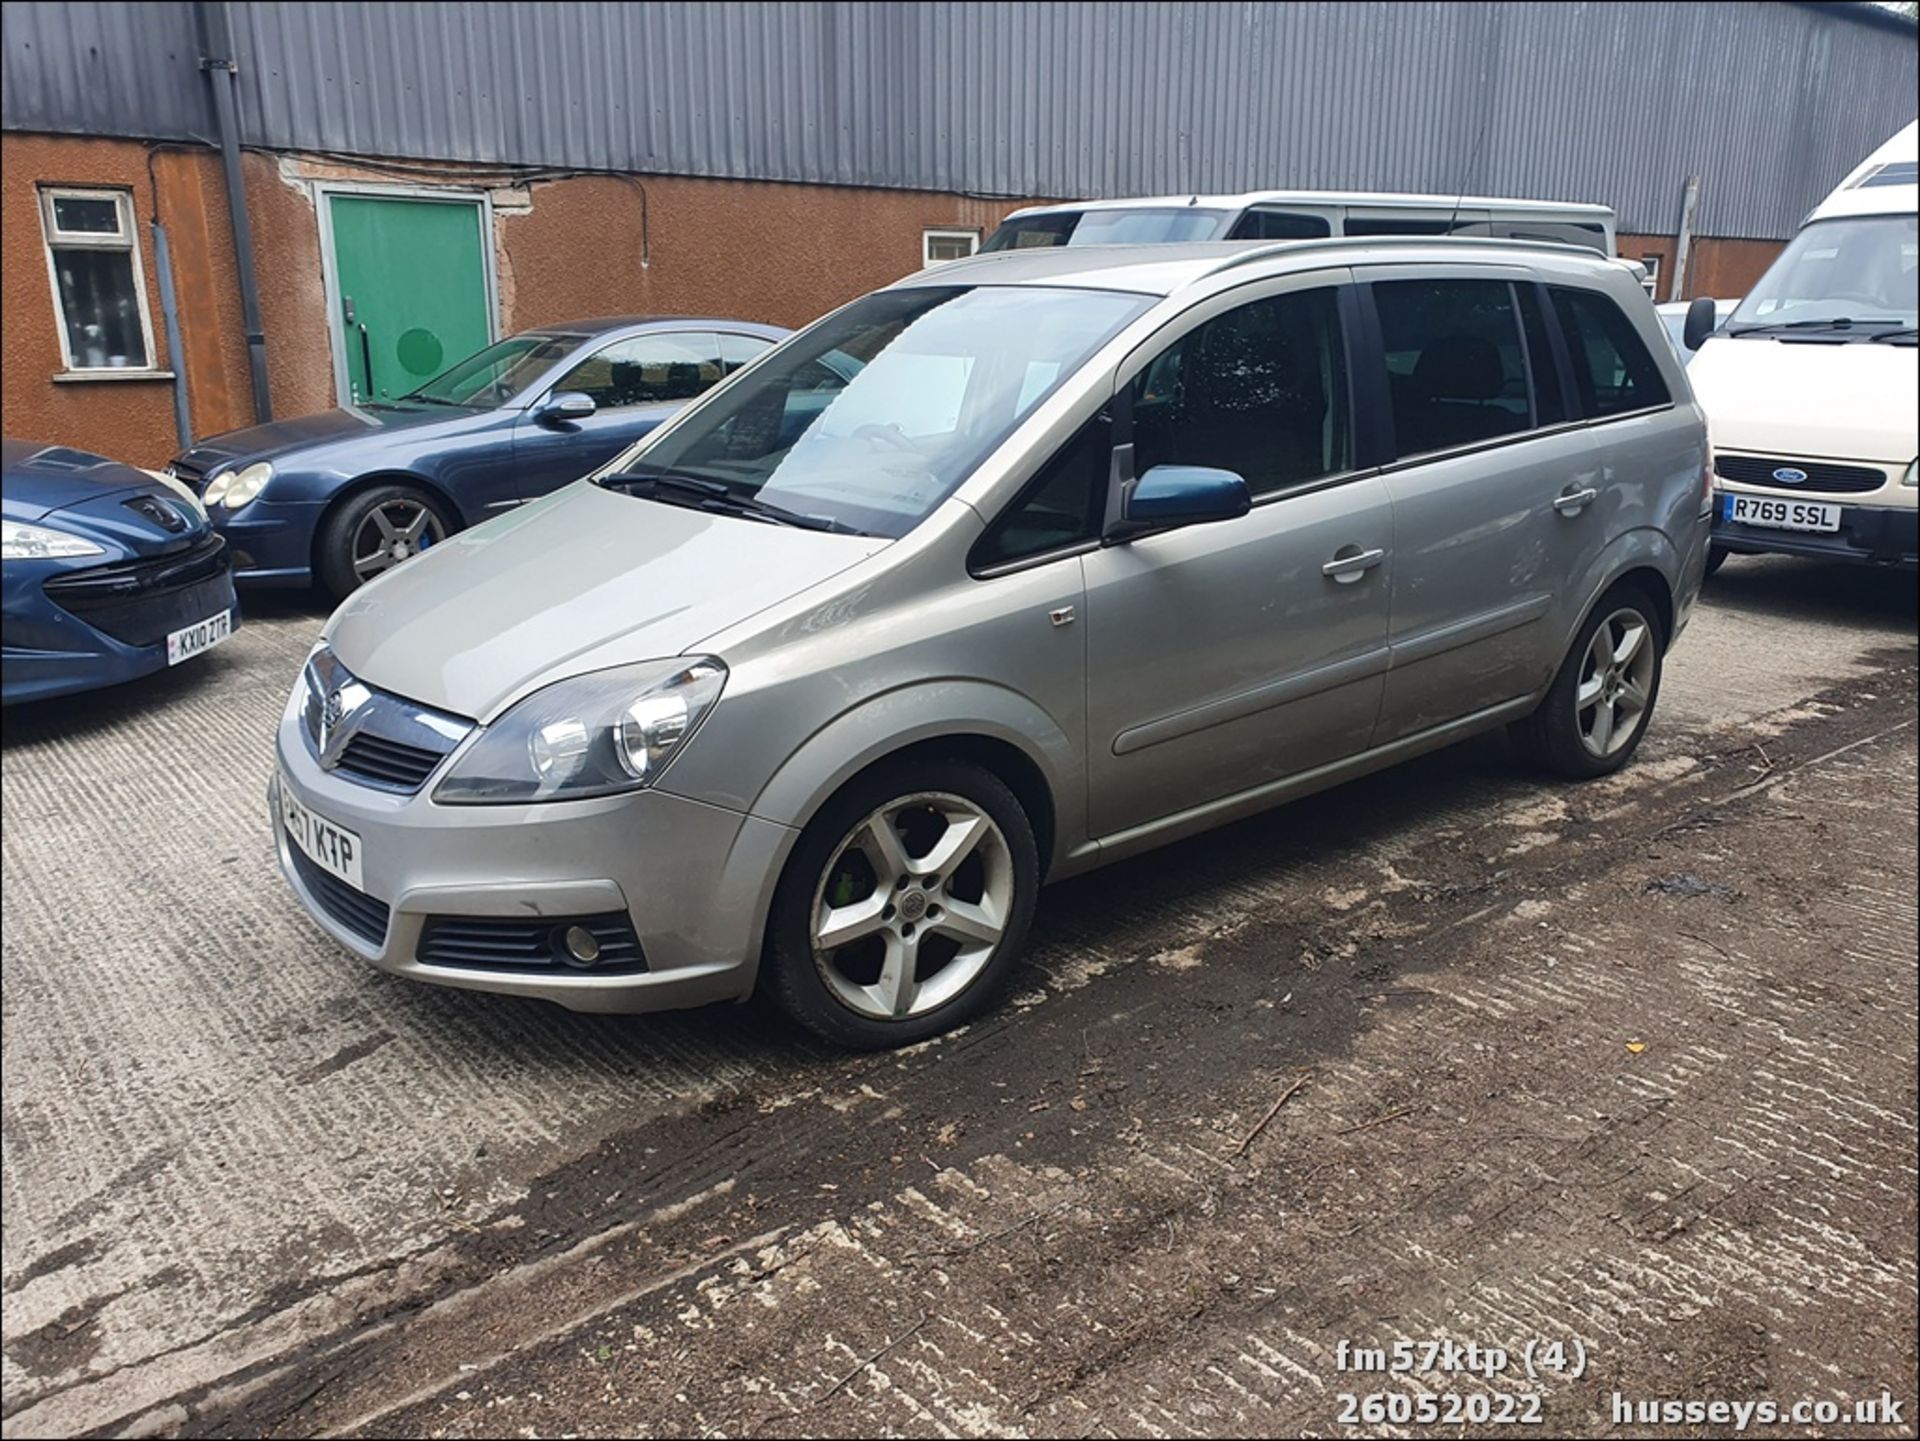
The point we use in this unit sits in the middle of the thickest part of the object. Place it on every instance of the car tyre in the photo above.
(400, 518)
(940, 850)
(1716, 557)
(1601, 702)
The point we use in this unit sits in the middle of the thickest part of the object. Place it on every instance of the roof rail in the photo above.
(1401, 242)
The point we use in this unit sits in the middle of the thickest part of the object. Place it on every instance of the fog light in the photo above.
(578, 946)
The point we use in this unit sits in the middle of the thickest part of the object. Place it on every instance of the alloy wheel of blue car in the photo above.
(392, 532)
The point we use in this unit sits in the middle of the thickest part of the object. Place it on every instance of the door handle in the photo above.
(1350, 562)
(1572, 502)
(366, 358)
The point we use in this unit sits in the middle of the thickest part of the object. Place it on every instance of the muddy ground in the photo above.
(1448, 1055)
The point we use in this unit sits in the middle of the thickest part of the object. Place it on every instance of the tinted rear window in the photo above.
(1612, 370)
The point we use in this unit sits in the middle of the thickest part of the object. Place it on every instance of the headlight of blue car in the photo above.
(234, 488)
(35, 542)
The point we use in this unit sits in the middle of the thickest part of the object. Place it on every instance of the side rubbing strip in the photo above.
(1252, 702)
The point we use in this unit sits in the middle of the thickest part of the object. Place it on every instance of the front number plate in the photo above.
(334, 849)
(1780, 514)
(188, 642)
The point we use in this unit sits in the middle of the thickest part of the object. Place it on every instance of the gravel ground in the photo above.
(1629, 1065)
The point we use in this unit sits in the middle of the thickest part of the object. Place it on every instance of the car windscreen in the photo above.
(496, 374)
(1850, 273)
(875, 415)
(1108, 227)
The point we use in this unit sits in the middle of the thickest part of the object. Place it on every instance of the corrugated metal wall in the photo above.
(1618, 102)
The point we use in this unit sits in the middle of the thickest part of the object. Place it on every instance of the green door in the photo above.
(412, 289)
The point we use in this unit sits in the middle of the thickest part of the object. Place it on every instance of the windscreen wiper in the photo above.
(633, 482)
(712, 495)
(751, 505)
(1907, 333)
(1838, 322)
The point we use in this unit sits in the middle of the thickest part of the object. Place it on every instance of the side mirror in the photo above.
(1703, 318)
(566, 405)
(1172, 495)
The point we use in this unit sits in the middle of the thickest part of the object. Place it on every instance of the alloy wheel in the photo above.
(393, 531)
(913, 906)
(1616, 682)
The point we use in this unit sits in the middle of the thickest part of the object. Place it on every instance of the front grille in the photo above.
(1821, 475)
(139, 602)
(516, 943)
(373, 737)
(385, 762)
(353, 910)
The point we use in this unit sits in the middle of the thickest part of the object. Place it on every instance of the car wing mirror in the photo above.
(1703, 318)
(564, 405)
(1175, 495)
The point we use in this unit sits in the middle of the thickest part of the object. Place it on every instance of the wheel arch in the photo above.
(1645, 557)
(996, 728)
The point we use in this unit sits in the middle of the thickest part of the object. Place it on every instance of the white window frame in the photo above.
(939, 232)
(128, 239)
(1652, 282)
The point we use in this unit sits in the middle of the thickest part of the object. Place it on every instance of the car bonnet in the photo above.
(580, 580)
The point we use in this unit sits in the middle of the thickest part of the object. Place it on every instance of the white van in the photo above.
(1301, 215)
(1810, 386)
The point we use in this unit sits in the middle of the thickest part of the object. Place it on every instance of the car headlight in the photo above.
(1912, 477)
(594, 735)
(36, 542)
(234, 488)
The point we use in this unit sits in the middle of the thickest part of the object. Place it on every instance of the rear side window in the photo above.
(1062, 506)
(1259, 390)
(1278, 225)
(1612, 370)
(648, 369)
(1456, 367)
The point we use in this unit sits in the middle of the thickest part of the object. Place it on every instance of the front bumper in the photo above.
(50, 651)
(1868, 534)
(694, 879)
(272, 541)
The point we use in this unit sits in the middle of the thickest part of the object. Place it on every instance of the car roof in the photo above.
(1386, 199)
(1168, 269)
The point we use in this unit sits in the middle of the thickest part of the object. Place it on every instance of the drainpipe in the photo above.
(170, 317)
(1683, 249)
(216, 40)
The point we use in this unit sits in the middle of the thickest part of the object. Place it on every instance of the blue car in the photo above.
(109, 573)
(341, 496)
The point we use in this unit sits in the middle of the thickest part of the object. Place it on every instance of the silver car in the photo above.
(1020, 566)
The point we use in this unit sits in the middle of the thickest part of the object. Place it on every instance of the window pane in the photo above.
(1612, 371)
(1259, 391)
(1278, 225)
(1064, 505)
(490, 376)
(1361, 225)
(931, 380)
(1454, 365)
(101, 308)
(647, 370)
(86, 217)
(950, 247)
(738, 350)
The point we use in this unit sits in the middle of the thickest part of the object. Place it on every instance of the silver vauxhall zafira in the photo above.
(1020, 566)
